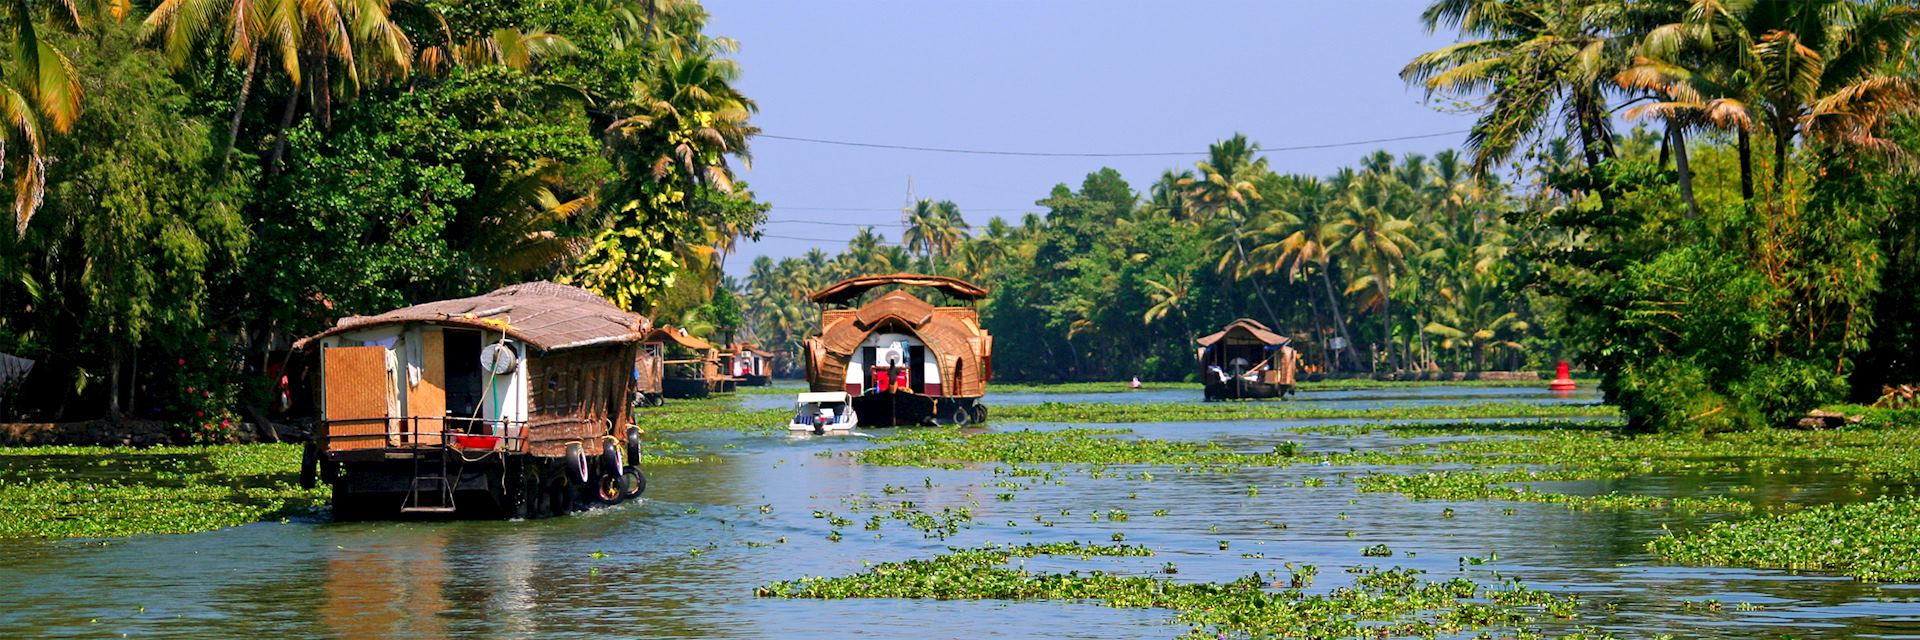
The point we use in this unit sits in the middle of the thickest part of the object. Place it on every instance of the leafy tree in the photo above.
(134, 234)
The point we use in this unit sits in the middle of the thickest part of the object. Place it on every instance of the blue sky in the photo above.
(1053, 76)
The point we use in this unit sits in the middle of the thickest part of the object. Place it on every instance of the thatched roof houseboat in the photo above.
(511, 403)
(1246, 360)
(902, 359)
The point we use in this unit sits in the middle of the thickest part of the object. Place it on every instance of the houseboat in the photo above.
(692, 367)
(508, 404)
(1246, 360)
(752, 366)
(900, 359)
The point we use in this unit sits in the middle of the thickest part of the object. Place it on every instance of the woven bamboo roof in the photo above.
(1251, 327)
(679, 336)
(545, 315)
(846, 290)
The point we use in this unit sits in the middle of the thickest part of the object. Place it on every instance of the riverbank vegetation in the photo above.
(192, 185)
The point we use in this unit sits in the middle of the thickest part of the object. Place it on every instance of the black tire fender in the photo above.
(633, 445)
(612, 460)
(576, 459)
(633, 482)
(960, 415)
(532, 501)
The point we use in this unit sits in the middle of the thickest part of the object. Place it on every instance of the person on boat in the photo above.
(1136, 384)
(880, 379)
(900, 380)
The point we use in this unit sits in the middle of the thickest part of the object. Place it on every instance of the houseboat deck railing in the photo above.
(470, 434)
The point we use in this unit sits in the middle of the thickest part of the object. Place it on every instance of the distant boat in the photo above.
(747, 362)
(1246, 360)
(692, 366)
(900, 359)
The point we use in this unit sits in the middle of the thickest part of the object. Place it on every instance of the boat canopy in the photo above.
(676, 335)
(846, 290)
(544, 315)
(1252, 328)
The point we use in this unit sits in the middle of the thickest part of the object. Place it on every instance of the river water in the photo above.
(683, 563)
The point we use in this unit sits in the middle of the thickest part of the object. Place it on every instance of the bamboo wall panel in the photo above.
(356, 390)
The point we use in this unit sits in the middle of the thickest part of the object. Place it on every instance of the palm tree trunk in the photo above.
(113, 383)
(280, 134)
(1386, 321)
(240, 105)
(1666, 144)
(1680, 164)
(1746, 162)
(1259, 292)
(1313, 310)
(1339, 322)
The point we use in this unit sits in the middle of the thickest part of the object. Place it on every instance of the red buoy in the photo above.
(1562, 378)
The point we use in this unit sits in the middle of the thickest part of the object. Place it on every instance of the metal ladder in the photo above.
(424, 475)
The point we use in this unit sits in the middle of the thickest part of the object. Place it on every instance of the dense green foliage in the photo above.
(1109, 284)
(224, 182)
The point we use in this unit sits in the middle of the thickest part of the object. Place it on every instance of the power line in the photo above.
(833, 223)
(841, 241)
(889, 209)
(1057, 154)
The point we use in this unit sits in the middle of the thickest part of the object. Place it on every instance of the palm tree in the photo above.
(1296, 245)
(934, 229)
(40, 88)
(1366, 231)
(1475, 318)
(1169, 295)
(867, 253)
(1224, 192)
(1533, 59)
(1167, 199)
(1832, 71)
(688, 118)
(508, 47)
(520, 228)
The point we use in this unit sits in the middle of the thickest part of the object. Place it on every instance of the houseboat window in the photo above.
(462, 362)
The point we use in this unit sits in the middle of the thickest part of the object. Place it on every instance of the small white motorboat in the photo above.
(822, 412)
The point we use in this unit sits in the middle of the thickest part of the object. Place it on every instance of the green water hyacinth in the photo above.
(1876, 541)
(1097, 412)
(1384, 603)
(91, 492)
(951, 448)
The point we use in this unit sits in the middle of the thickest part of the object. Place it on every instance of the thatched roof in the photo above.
(677, 335)
(545, 315)
(846, 290)
(1258, 331)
